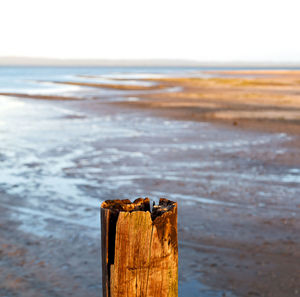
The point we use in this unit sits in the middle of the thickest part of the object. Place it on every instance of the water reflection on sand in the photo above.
(76, 156)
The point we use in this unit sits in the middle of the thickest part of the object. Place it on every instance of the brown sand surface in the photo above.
(284, 73)
(113, 86)
(231, 99)
(232, 161)
(38, 96)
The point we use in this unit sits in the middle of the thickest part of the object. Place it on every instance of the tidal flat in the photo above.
(224, 144)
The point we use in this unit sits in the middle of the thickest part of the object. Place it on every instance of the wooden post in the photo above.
(139, 248)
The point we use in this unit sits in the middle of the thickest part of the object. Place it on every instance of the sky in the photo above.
(211, 30)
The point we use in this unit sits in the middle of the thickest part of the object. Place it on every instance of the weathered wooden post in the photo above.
(139, 248)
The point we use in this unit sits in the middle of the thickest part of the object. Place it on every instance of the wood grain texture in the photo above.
(139, 248)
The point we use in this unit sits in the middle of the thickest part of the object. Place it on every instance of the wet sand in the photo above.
(114, 86)
(236, 181)
(232, 97)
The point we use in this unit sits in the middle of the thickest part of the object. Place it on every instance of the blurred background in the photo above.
(198, 102)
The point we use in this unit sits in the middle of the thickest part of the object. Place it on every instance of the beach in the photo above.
(224, 144)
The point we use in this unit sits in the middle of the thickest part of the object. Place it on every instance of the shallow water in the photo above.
(38, 79)
(80, 158)
(194, 288)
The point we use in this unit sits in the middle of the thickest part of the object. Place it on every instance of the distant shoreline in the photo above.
(46, 62)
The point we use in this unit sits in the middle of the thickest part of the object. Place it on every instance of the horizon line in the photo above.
(155, 62)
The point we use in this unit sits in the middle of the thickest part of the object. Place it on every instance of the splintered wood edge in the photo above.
(140, 204)
(162, 217)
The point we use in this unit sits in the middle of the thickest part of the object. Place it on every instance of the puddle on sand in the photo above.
(194, 288)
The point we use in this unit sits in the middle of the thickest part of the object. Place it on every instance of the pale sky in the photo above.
(211, 30)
